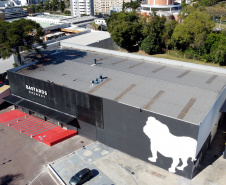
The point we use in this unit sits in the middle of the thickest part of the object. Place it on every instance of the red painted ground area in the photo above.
(35, 128)
(11, 115)
(55, 135)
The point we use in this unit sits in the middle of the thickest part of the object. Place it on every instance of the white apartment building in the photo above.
(80, 7)
(103, 6)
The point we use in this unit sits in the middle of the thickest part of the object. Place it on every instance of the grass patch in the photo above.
(223, 26)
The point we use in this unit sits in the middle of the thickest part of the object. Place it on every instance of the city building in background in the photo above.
(105, 6)
(168, 8)
(80, 8)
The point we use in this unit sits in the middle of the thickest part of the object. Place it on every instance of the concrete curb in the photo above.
(147, 58)
(56, 175)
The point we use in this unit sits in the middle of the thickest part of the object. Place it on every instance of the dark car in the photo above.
(81, 177)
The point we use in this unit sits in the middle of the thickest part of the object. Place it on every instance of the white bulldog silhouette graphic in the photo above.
(167, 144)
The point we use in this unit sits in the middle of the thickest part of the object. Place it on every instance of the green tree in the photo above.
(54, 5)
(152, 31)
(153, 25)
(47, 5)
(94, 26)
(37, 8)
(220, 53)
(41, 5)
(33, 8)
(19, 35)
(61, 6)
(125, 29)
(215, 46)
(193, 31)
(67, 12)
(168, 32)
(150, 45)
(208, 2)
(133, 5)
(67, 3)
(188, 9)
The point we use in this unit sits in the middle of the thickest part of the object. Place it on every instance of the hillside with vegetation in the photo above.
(200, 36)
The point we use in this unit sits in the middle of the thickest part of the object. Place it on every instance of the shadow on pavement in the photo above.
(4, 105)
(215, 150)
(8, 179)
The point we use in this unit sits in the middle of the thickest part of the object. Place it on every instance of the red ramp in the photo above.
(11, 115)
(55, 135)
(36, 128)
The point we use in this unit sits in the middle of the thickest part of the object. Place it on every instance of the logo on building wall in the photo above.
(36, 91)
(169, 145)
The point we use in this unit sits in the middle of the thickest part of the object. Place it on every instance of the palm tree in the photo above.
(94, 26)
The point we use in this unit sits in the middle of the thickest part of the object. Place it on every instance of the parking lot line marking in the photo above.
(35, 178)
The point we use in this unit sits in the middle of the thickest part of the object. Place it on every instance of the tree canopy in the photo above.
(125, 29)
(193, 31)
(61, 6)
(168, 32)
(19, 35)
(133, 5)
(154, 34)
(208, 2)
(215, 48)
(54, 5)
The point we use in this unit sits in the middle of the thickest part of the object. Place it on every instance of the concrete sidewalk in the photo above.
(123, 169)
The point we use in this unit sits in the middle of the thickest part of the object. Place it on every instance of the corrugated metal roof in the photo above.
(165, 89)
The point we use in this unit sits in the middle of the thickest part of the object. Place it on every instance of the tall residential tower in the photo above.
(81, 7)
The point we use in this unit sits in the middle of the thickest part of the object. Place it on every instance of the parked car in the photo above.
(81, 177)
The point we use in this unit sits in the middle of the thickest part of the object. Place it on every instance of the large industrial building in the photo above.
(161, 111)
